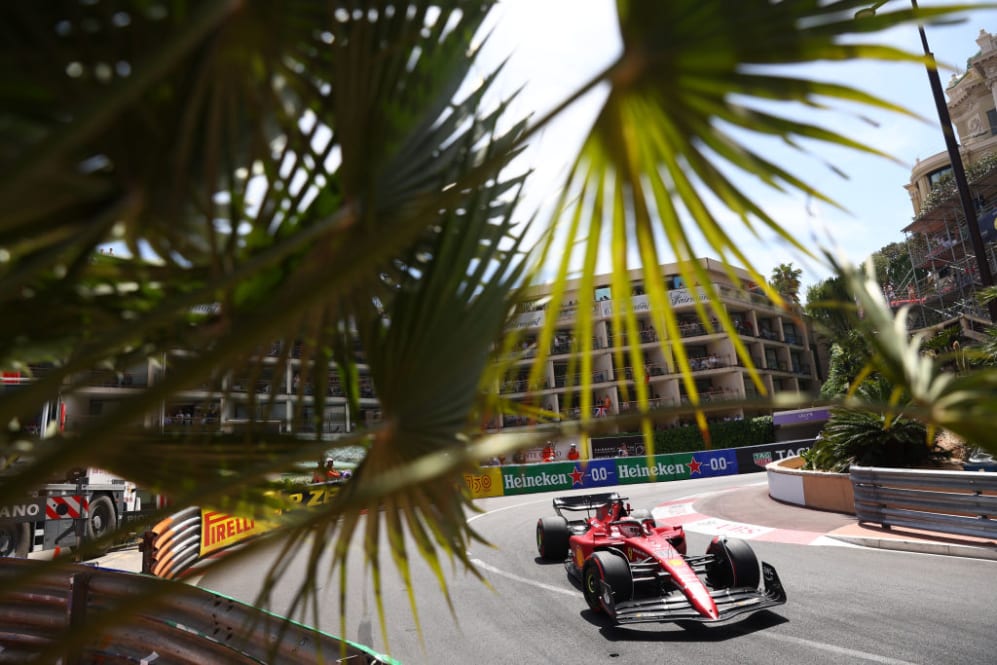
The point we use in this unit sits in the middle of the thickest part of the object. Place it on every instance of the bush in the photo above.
(867, 439)
(723, 434)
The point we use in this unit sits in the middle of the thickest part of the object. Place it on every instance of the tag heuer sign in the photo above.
(762, 459)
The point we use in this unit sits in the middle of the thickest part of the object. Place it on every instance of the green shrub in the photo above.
(723, 434)
(868, 439)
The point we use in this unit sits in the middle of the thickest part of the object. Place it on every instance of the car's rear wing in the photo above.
(586, 502)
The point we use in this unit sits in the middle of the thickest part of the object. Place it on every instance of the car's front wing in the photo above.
(676, 607)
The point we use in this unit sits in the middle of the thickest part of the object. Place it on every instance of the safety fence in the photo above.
(121, 617)
(957, 502)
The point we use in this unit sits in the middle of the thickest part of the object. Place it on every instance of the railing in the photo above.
(959, 502)
(39, 607)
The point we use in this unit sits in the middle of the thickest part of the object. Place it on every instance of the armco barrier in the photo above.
(957, 502)
(180, 624)
(602, 472)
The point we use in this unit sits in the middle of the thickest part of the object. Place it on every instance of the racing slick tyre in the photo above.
(734, 564)
(101, 518)
(612, 569)
(15, 539)
(552, 538)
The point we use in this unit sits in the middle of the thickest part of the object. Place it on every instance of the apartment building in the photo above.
(778, 341)
(945, 275)
(269, 392)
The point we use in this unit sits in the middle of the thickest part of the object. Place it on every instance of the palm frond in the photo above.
(691, 81)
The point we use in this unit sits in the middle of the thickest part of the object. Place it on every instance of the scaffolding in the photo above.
(945, 280)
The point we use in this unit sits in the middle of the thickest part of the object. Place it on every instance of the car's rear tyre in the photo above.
(734, 564)
(612, 569)
(552, 538)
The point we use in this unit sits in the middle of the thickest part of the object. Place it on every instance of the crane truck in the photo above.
(83, 505)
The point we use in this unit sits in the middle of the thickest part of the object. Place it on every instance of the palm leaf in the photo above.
(691, 81)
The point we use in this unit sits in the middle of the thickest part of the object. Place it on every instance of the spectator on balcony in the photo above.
(607, 404)
(623, 451)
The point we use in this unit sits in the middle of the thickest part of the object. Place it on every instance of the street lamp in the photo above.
(958, 172)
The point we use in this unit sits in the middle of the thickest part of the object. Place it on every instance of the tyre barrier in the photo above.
(178, 543)
(78, 614)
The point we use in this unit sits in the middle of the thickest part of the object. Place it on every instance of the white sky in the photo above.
(554, 46)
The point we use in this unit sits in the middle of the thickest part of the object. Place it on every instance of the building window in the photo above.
(936, 177)
(992, 121)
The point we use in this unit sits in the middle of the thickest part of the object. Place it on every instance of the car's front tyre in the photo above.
(606, 569)
(734, 564)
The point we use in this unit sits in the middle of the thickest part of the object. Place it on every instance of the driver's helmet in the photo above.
(630, 527)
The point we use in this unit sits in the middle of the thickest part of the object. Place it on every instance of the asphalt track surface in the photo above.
(847, 603)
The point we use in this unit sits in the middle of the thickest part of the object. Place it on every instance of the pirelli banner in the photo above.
(628, 469)
(183, 539)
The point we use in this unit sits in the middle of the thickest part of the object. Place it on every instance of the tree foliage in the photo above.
(323, 180)
(785, 280)
(868, 437)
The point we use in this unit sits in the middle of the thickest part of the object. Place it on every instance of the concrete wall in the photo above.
(813, 489)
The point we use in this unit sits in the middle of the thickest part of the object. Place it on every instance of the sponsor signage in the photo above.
(679, 297)
(313, 496)
(677, 466)
(529, 478)
(754, 458)
(486, 483)
(612, 470)
(221, 530)
(599, 473)
(801, 416)
(528, 320)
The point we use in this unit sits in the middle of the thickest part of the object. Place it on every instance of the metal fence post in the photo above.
(76, 613)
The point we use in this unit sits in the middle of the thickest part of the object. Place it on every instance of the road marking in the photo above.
(499, 510)
(833, 648)
(713, 526)
(539, 585)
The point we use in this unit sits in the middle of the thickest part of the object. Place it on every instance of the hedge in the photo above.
(723, 434)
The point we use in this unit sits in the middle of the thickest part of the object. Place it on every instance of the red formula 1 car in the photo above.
(636, 571)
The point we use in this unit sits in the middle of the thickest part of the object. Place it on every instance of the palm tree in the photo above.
(786, 282)
(321, 175)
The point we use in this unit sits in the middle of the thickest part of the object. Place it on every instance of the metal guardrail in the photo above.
(957, 502)
(130, 618)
